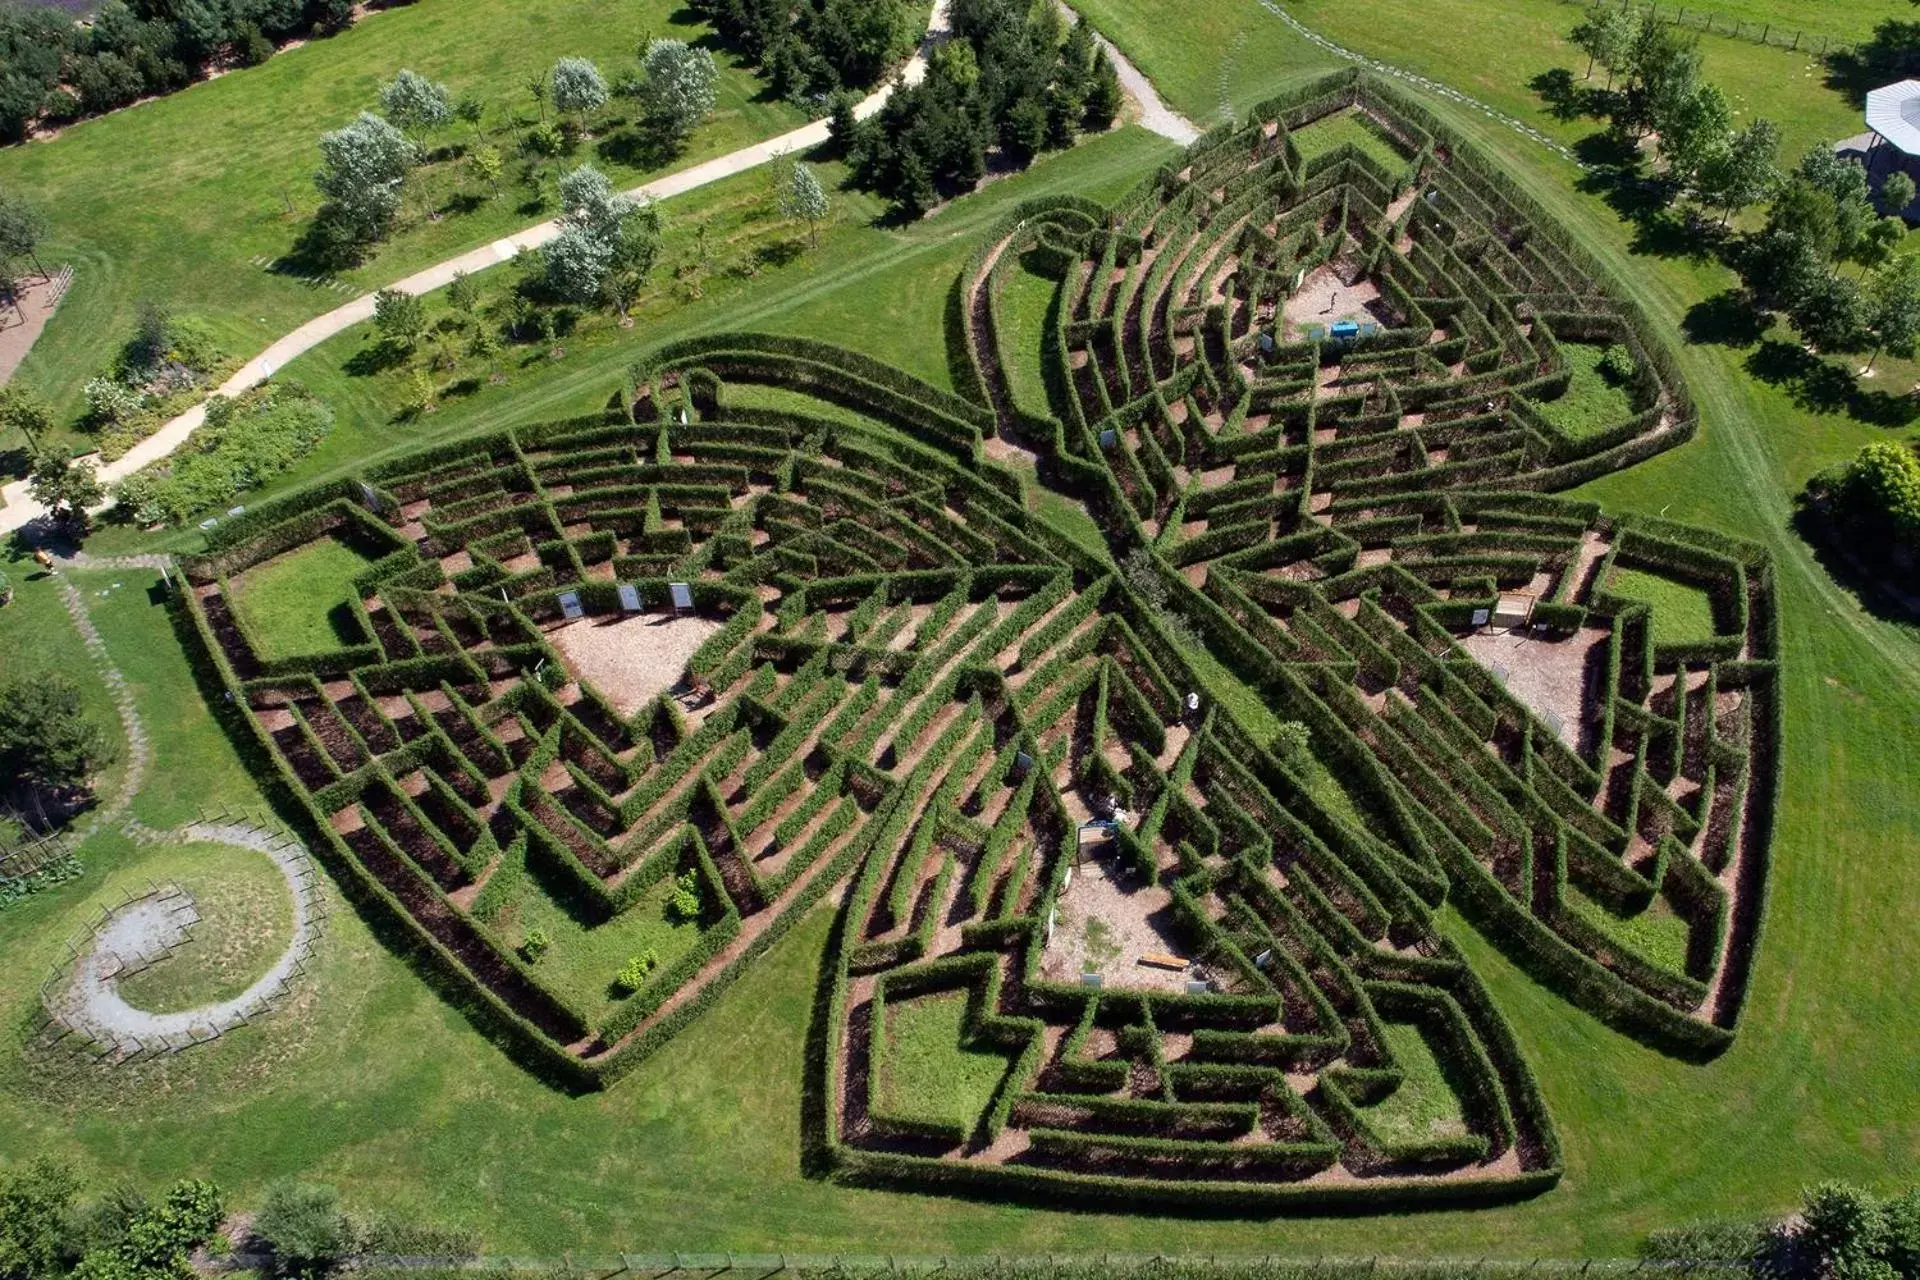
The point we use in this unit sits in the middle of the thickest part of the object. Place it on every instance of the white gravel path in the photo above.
(144, 930)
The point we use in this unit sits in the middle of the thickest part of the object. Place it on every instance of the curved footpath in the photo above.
(20, 510)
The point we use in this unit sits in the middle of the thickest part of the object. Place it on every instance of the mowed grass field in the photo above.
(175, 199)
(701, 1148)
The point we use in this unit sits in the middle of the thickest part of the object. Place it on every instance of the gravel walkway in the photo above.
(146, 929)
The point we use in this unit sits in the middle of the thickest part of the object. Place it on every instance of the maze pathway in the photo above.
(1318, 405)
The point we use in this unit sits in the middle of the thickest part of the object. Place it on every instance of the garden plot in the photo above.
(634, 659)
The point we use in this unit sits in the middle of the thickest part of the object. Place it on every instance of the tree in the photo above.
(416, 103)
(1893, 303)
(362, 168)
(602, 231)
(1876, 243)
(802, 197)
(1103, 92)
(1665, 73)
(36, 1202)
(843, 127)
(1897, 192)
(487, 165)
(46, 737)
(679, 87)
(303, 1224)
(64, 486)
(537, 86)
(400, 318)
(21, 230)
(1833, 314)
(24, 410)
(469, 111)
(1697, 130)
(1604, 35)
(463, 293)
(578, 89)
(1742, 172)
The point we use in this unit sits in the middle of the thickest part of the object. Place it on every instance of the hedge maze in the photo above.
(1318, 409)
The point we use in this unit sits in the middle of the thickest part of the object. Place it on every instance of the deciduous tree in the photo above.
(678, 88)
(801, 196)
(362, 169)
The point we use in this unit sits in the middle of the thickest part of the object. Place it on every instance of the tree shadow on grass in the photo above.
(374, 359)
(1867, 584)
(1822, 386)
(1727, 319)
(1565, 98)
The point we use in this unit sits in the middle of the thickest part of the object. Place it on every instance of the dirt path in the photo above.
(18, 330)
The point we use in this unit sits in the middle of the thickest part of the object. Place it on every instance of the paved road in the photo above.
(20, 510)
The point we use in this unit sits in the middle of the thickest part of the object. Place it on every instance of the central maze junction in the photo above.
(615, 700)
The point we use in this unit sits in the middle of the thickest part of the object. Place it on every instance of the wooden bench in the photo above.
(1161, 960)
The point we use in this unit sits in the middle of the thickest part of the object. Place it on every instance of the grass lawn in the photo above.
(930, 1071)
(1347, 129)
(36, 635)
(1425, 1105)
(1592, 402)
(175, 199)
(1682, 613)
(699, 1148)
(1025, 309)
(584, 958)
(246, 922)
(1656, 934)
(298, 603)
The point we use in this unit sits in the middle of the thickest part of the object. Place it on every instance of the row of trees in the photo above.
(1012, 80)
(1660, 91)
(1823, 215)
(364, 165)
(817, 46)
(54, 68)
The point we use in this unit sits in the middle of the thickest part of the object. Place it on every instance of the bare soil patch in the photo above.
(1557, 680)
(1108, 919)
(634, 659)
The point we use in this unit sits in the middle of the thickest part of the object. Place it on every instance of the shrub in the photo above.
(1291, 740)
(535, 945)
(302, 1224)
(244, 443)
(35, 1206)
(1616, 364)
(683, 904)
(633, 974)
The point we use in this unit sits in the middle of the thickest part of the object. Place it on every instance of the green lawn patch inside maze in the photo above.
(1425, 1105)
(246, 922)
(298, 603)
(1332, 132)
(1592, 402)
(931, 1071)
(583, 959)
(1657, 935)
(1682, 613)
(1026, 303)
